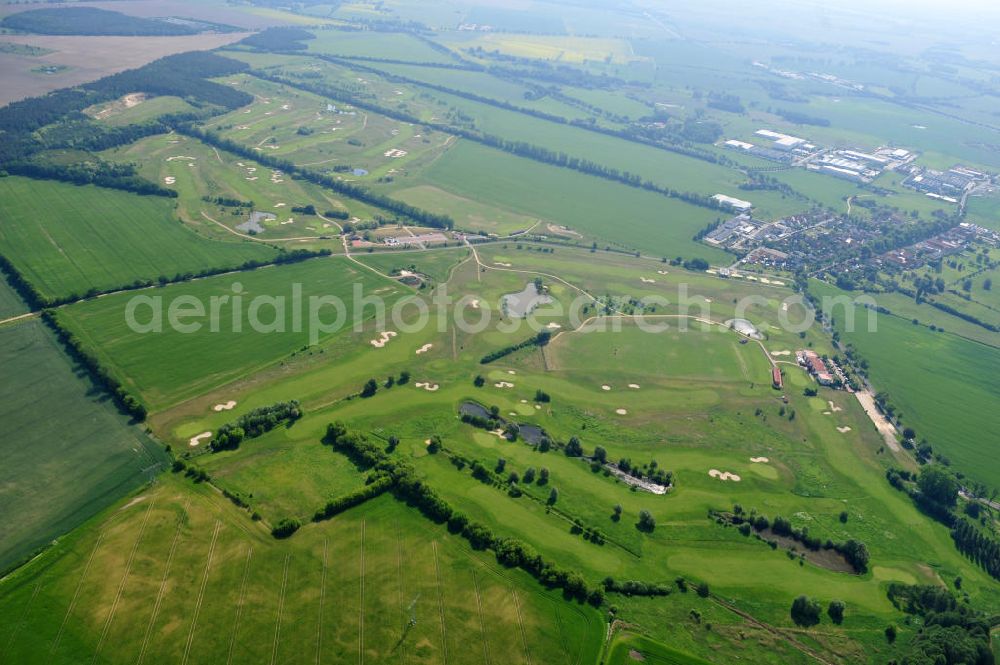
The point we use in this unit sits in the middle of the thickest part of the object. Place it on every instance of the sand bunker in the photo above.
(382, 340)
(427, 386)
(633, 386)
(504, 384)
(510, 371)
(834, 407)
(724, 475)
(195, 440)
(647, 281)
(280, 205)
(501, 263)
(424, 349)
(844, 430)
(553, 326)
(621, 412)
(228, 406)
(662, 272)
(171, 159)
(475, 304)
(781, 353)
(170, 180)
(759, 460)
(826, 413)
(538, 406)
(605, 387)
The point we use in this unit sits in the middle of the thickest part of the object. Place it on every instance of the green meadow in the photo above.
(178, 363)
(67, 239)
(67, 453)
(943, 385)
(585, 204)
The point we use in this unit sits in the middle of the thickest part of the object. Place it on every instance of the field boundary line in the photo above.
(76, 594)
(23, 619)
(162, 589)
(444, 631)
(520, 626)
(201, 593)
(771, 629)
(361, 606)
(399, 587)
(239, 605)
(482, 620)
(322, 598)
(121, 585)
(19, 317)
(281, 607)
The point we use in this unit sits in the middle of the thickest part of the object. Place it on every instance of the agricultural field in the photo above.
(941, 383)
(375, 585)
(68, 239)
(187, 363)
(519, 405)
(67, 453)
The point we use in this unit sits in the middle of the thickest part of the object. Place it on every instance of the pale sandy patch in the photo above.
(501, 263)
(538, 406)
(781, 353)
(844, 430)
(430, 387)
(647, 281)
(662, 272)
(553, 326)
(171, 159)
(826, 413)
(510, 371)
(195, 440)
(524, 401)
(784, 307)
(383, 339)
(833, 407)
(475, 304)
(605, 387)
(280, 205)
(759, 460)
(170, 180)
(424, 349)
(504, 384)
(634, 386)
(724, 475)
(621, 412)
(227, 406)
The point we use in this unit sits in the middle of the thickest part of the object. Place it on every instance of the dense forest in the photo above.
(91, 21)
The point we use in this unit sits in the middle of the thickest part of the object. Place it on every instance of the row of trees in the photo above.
(541, 339)
(407, 487)
(951, 633)
(519, 148)
(100, 375)
(351, 190)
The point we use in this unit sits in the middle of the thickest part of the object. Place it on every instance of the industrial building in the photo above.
(738, 205)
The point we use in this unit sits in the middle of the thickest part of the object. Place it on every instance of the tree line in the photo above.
(357, 192)
(407, 487)
(101, 376)
(541, 339)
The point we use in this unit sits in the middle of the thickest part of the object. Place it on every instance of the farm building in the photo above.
(776, 378)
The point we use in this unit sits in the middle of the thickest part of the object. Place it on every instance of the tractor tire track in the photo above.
(239, 605)
(201, 593)
(281, 607)
(76, 594)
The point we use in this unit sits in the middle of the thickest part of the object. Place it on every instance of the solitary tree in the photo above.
(836, 611)
(600, 454)
(543, 476)
(573, 448)
(617, 515)
(805, 611)
(529, 475)
(553, 496)
(646, 521)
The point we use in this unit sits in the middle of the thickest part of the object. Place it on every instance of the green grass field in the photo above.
(10, 303)
(942, 384)
(179, 574)
(187, 365)
(583, 203)
(67, 239)
(67, 453)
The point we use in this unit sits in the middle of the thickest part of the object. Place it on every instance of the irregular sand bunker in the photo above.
(430, 387)
(424, 349)
(844, 430)
(170, 180)
(605, 387)
(501, 263)
(647, 281)
(504, 384)
(833, 407)
(227, 406)
(781, 353)
(633, 386)
(383, 339)
(510, 371)
(662, 272)
(553, 326)
(195, 440)
(759, 460)
(621, 412)
(475, 304)
(724, 475)
(171, 159)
